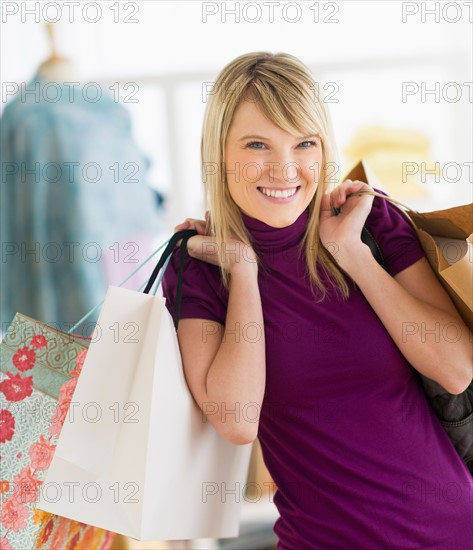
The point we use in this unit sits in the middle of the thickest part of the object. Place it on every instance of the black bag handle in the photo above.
(368, 239)
(185, 235)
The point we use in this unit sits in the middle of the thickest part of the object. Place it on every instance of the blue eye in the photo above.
(309, 142)
(254, 143)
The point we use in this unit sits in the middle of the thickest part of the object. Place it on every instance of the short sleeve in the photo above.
(395, 235)
(203, 294)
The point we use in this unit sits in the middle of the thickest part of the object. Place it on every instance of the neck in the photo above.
(266, 237)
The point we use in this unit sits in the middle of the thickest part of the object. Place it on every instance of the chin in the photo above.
(282, 220)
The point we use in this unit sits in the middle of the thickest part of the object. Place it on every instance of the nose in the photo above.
(282, 169)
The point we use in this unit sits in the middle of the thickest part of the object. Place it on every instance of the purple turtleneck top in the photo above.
(359, 457)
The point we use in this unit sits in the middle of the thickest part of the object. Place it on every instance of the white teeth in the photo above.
(278, 194)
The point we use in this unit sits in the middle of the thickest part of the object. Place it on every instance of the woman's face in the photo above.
(272, 175)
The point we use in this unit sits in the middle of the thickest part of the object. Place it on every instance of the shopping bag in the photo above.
(142, 458)
(447, 239)
(39, 366)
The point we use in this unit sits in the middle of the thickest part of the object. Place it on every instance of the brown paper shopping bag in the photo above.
(447, 239)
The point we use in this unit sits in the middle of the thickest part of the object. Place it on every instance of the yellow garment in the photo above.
(386, 150)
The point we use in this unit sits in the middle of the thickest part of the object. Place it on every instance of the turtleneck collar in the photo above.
(266, 237)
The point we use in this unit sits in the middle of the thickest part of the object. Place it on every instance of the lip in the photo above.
(275, 200)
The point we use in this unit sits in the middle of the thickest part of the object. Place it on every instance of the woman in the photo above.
(285, 312)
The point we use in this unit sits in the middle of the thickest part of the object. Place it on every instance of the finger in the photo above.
(363, 191)
(181, 226)
(366, 186)
(349, 186)
(345, 189)
(338, 198)
(201, 227)
(191, 223)
(207, 223)
(204, 248)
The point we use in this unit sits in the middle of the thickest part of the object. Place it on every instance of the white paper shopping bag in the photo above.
(136, 455)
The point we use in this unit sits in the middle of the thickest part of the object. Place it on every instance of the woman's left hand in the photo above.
(341, 234)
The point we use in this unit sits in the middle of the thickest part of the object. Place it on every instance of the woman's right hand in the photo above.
(203, 246)
(201, 226)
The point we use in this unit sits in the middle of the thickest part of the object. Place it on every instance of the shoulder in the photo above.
(203, 293)
(194, 270)
(394, 233)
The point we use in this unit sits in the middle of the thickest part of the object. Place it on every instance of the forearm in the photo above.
(236, 378)
(434, 342)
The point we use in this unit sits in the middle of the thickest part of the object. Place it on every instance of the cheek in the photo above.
(244, 170)
(248, 168)
(310, 173)
(313, 168)
(235, 182)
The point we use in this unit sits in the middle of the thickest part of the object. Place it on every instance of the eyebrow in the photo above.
(268, 139)
(250, 137)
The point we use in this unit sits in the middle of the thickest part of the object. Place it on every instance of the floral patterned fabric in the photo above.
(39, 367)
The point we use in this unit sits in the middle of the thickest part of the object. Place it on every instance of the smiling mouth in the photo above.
(279, 193)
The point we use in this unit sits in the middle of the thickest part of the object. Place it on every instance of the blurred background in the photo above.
(102, 112)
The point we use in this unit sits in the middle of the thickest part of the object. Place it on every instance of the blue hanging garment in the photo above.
(73, 183)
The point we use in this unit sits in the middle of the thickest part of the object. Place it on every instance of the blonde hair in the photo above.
(288, 95)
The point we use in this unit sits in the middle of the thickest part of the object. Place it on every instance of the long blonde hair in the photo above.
(288, 95)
